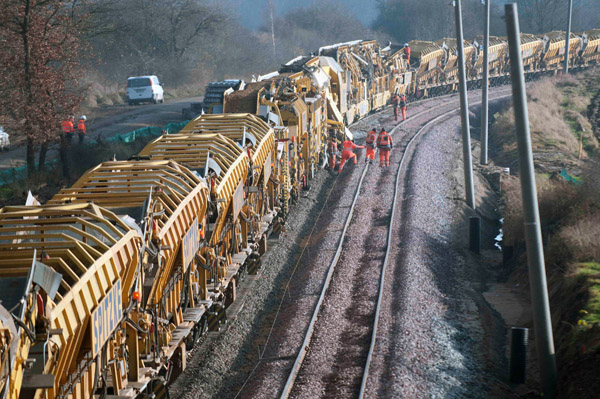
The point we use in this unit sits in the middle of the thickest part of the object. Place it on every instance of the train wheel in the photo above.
(157, 389)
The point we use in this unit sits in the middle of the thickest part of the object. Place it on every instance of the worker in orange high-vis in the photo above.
(68, 129)
(81, 128)
(348, 153)
(384, 145)
(407, 53)
(396, 104)
(403, 103)
(370, 142)
(332, 152)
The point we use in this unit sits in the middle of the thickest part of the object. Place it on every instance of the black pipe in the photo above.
(475, 234)
(518, 354)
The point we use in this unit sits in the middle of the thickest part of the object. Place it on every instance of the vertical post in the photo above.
(485, 85)
(568, 37)
(533, 236)
(464, 107)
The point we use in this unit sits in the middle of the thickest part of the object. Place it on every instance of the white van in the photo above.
(144, 88)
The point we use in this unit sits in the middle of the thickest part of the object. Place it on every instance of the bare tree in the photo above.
(162, 37)
(38, 69)
(542, 16)
(306, 29)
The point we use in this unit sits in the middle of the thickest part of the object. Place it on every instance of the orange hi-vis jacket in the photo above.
(349, 146)
(67, 126)
(332, 147)
(81, 126)
(384, 141)
(371, 138)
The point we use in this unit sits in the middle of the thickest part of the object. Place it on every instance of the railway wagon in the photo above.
(166, 204)
(225, 166)
(400, 76)
(262, 194)
(449, 73)
(346, 62)
(590, 53)
(378, 78)
(498, 48)
(554, 49)
(290, 112)
(426, 61)
(66, 273)
(531, 52)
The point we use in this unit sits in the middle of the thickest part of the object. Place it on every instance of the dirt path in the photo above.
(114, 120)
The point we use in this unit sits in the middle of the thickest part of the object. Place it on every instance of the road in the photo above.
(111, 121)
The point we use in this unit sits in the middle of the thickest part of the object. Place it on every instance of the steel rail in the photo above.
(303, 349)
(363, 385)
(302, 352)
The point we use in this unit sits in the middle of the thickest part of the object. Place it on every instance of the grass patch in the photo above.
(591, 311)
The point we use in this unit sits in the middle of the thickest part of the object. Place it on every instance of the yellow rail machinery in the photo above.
(166, 203)
(8, 331)
(257, 138)
(497, 51)
(397, 66)
(313, 83)
(450, 60)
(554, 49)
(531, 51)
(591, 47)
(353, 70)
(373, 69)
(426, 59)
(66, 274)
(224, 165)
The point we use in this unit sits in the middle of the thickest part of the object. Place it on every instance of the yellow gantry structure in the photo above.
(177, 197)
(257, 138)
(167, 204)
(69, 300)
(224, 165)
(246, 128)
(591, 46)
(450, 64)
(497, 50)
(427, 58)
(554, 43)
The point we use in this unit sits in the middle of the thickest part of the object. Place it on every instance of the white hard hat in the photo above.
(83, 117)
(405, 44)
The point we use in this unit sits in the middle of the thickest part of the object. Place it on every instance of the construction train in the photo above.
(106, 286)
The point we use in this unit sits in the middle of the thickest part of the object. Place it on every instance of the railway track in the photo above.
(367, 272)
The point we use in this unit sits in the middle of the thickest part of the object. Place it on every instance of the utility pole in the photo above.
(272, 29)
(568, 37)
(464, 107)
(542, 323)
(485, 85)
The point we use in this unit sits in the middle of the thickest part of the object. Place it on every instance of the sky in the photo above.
(252, 12)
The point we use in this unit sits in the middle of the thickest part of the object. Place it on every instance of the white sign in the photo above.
(106, 317)
(190, 244)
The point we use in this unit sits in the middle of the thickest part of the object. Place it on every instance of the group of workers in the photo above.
(382, 142)
(69, 129)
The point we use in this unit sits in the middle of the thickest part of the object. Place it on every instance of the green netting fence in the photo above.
(14, 174)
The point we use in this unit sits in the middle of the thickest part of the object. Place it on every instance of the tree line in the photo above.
(406, 20)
